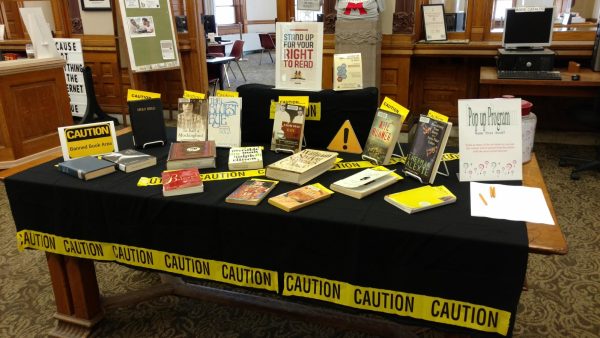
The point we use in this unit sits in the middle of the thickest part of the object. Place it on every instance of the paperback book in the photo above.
(422, 198)
(302, 167)
(87, 167)
(197, 154)
(366, 182)
(427, 149)
(288, 127)
(147, 123)
(225, 121)
(251, 192)
(301, 197)
(383, 137)
(192, 120)
(129, 160)
(243, 158)
(181, 182)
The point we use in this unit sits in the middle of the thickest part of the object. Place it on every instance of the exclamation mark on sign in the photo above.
(346, 131)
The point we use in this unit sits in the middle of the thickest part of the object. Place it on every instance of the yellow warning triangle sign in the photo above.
(345, 140)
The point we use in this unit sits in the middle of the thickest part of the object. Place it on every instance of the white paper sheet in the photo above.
(515, 203)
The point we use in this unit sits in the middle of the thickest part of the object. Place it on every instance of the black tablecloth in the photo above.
(442, 252)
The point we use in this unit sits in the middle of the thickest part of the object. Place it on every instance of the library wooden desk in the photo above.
(80, 306)
(588, 85)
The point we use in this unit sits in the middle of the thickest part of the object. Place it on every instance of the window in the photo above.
(225, 12)
(302, 15)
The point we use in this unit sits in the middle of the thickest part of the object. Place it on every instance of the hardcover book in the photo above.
(427, 149)
(147, 123)
(197, 154)
(366, 182)
(129, 160)
(300, 197)
(288, 127)
(422, 198)
(490, 139)
(302, 167)
(243, 158)
(225, 121)
(87, 167)
(383, 136)
(192, 120)
(181, 182)
(251, 192)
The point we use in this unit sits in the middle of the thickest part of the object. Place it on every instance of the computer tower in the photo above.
(533, 60)
(595, 64)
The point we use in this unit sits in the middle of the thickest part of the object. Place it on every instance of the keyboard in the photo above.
(529, 74)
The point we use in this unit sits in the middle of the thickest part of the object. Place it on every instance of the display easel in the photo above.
(93, 108)
(147, 79)
(371, 159)
(290, 151)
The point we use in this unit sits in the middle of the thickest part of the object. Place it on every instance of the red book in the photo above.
(193, 154)
(181, 181)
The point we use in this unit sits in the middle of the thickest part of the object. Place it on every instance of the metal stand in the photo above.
(401, 151)
(446, 173)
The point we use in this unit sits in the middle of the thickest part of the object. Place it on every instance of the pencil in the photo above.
(492, 192)
(482, 199)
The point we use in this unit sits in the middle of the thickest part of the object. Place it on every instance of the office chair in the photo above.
(266, 42)
(237, 51)
(590, 117)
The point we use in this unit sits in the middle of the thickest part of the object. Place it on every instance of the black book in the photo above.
(427, 149)
(147, 123)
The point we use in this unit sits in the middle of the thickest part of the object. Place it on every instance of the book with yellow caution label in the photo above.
(422, 198)
(300, 197)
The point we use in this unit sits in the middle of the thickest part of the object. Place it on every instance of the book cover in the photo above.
(242, 158)
(383, 136)
(225, 121)
(87, 167)
(251, 192)
(427, 148)
(490, 140)
(366, 182)
(422, 198)
(300, 197)
(192, 120)
(129, 160)
(199, 154)
(347, 71)
(301, 167)
(147, 123)
(288, 127)
(299, 47)
(181, 182)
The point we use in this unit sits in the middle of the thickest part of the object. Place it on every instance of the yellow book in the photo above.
(422, 198)
(300, 197)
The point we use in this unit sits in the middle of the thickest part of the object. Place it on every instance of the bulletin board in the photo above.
(150, 35)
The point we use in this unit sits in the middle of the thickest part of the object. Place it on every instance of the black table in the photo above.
(425, 269)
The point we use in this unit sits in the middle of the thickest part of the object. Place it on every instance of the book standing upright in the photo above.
(225, 121)
(288, 127)
(383, 137)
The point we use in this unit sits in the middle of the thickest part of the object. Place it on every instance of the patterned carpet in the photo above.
(563, 299)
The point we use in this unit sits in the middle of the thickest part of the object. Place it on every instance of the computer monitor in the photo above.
(210, 25)
(528, 27)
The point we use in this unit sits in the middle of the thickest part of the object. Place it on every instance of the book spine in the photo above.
(71, 171)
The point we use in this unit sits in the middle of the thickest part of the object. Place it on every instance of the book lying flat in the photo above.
(129, 160)
(243, 158)
(422, 198)
(195, 154)
(181, 182)
(300, 197)
(87, 168)
(301, 167)
(366, 182)
(251, 192)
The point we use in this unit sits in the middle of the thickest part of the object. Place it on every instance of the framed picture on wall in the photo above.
(95, 5)
(433, 20)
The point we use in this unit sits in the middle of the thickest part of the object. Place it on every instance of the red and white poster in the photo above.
(299, 55)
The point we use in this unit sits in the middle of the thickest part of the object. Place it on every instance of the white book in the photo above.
(366, 182)
(243, 158)
(490, 139)
(299, 61)
(347, 71)
(225, 121)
